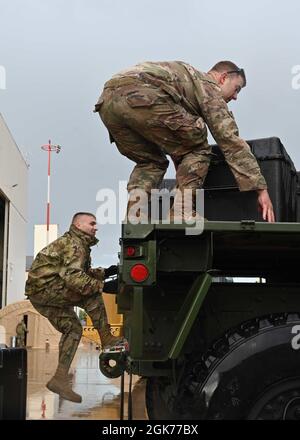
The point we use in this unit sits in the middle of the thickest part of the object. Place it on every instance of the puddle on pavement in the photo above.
(100, 395)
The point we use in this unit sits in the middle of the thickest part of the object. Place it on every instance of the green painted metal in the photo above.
(245, 225)
(147, 249)
(189, 311)
(136, 231)
(239, 249)
(136, 337)
(143, 231)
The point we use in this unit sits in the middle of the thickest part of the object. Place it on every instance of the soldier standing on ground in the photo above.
(61, 278)
(156, 109)
(21, 331)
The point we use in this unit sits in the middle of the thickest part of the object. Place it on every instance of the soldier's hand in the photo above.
(111, 270)
(265, 205)
(110, 286)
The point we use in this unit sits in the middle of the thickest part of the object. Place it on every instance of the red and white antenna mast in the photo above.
(50, 148)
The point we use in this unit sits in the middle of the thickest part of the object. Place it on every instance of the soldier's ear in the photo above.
(223, 77)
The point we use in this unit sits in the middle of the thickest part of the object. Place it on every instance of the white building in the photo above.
(41, 237)
(13, 218)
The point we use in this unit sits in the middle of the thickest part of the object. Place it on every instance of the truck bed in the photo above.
(239, 249)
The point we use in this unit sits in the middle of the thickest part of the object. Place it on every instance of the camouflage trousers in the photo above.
(20, 340)
(147, 124)
(64, 319)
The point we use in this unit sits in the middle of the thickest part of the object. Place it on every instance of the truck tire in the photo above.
(160, 397)
(252, 372)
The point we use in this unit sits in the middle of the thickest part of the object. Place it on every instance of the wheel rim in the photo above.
(280, 402)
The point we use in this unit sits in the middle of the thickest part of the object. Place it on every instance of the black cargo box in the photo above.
(224, 201)
(13, 383)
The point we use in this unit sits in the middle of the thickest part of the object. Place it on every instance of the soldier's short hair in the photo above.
(79, 214)
(229, 67)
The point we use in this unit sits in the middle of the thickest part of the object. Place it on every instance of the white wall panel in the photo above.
(16, 258)
(13, 185)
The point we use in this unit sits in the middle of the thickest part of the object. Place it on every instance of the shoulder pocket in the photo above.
(98, 105)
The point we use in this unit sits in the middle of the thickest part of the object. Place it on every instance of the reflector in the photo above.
(139, 273)
(130, 251)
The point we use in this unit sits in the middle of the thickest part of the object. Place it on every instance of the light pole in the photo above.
(50, 148)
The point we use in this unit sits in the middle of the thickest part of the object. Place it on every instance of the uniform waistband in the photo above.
(142, 79)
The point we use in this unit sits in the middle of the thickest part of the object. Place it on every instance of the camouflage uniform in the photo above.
(21, 331)
(61, 278)
(154, 109)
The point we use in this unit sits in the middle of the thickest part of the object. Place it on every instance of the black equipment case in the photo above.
(224, 202)
(13, 383)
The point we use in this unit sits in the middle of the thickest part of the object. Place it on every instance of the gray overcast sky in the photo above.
(57, 55)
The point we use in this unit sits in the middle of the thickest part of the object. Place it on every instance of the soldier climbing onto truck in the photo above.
(156, 109)
(60, 278)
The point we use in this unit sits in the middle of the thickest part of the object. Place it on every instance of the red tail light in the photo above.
(130, 251)
(139, 273)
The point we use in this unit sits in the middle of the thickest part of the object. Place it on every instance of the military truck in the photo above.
(211, 348)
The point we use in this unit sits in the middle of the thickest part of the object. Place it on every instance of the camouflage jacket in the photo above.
(200, 95)
(66, 264)
(21, 329)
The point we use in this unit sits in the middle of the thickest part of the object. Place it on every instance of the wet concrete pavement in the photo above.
(100, 395)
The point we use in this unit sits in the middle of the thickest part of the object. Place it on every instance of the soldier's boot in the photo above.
(183, 213)
(137, 208)
(110, 342)
(60, 384)
(70, 378)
